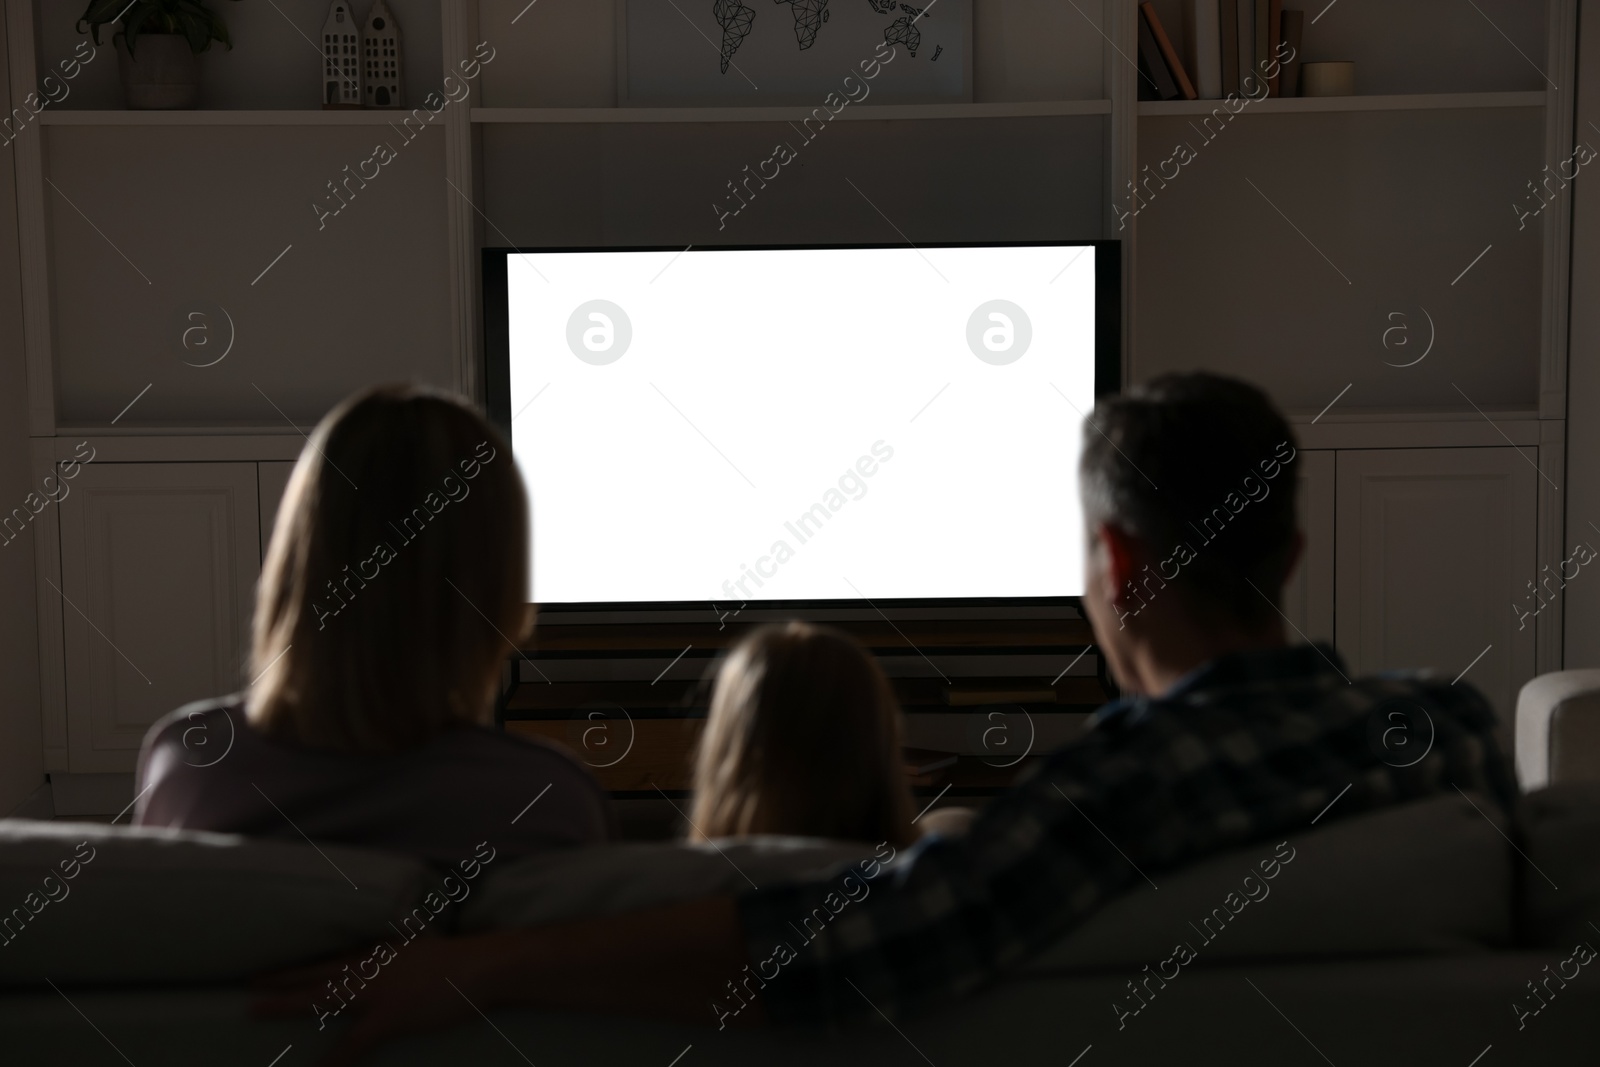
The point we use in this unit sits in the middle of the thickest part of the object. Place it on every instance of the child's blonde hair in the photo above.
(803, 738)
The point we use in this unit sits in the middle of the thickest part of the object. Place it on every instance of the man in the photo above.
(1227, 735)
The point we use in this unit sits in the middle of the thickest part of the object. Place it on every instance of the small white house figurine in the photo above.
(380, 50)
(341, 58)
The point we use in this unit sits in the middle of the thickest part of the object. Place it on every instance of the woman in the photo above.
(803, 738)
(392, 592)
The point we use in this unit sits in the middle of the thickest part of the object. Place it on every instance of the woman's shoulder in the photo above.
(198, 726)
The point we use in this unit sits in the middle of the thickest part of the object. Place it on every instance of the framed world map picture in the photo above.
(713, 53)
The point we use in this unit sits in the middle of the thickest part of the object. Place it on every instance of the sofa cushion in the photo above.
(1561, 880)
(603, 879)
(90, 903)
(1430, 876)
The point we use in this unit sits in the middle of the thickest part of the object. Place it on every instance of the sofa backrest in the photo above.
(119, 905)
(89, 903)
(1431, 876)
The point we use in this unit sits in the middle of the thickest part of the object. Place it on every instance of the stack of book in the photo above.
(1231, 47)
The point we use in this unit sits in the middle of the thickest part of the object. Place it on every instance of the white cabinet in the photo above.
(1435, 546)
(273, 479)
(158, 566)
(1308, 595)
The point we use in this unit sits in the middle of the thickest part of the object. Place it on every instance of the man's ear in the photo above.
(1121, 550)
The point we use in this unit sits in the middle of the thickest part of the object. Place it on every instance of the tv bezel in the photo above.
(496, 352)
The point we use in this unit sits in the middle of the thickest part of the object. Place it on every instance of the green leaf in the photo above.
(97, 14)
(198, 33)
(198, 24)
(133, 23)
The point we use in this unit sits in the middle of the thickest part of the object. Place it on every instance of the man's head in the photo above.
(1188, 485)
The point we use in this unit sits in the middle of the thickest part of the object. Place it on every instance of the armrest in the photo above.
(1558, 729)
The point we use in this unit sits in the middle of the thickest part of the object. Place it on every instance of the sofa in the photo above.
(1436, 932)
(1404, 936)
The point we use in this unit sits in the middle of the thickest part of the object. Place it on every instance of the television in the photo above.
(803, 426)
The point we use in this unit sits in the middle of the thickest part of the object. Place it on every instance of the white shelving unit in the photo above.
(858, 113)
(233, 117)
(1279, 253)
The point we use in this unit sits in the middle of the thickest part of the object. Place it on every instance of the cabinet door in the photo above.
(273, 476)
(1308, 595)
(1435, 547)
(158, 565)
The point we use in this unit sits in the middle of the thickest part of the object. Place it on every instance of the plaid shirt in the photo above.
(1248, 747)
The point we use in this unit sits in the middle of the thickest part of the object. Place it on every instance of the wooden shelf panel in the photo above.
(680, 699)
(1310, 104)
(307, 117)
(552, 637)
(861, 113)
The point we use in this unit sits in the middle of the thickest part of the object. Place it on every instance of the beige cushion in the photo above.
(90, 903)
(1561, 880)
(1430, 876)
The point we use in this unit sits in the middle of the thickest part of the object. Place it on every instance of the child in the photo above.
(803, 738)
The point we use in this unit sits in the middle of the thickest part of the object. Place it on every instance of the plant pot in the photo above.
(162, 73)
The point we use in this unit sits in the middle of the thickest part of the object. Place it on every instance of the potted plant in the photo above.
(158, 47)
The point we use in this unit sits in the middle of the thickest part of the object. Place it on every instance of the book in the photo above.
(1153, 66)
(1169, 54)
(1247, 44)
(1203, 47)
(1294, 23)
(1262, 24)
(1274, 35)
(1228, 31)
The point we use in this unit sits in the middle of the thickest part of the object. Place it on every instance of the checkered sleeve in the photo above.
(1149, 791)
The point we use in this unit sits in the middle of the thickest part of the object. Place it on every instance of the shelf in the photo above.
(1305, 104)
(871, 112)
(305, 117)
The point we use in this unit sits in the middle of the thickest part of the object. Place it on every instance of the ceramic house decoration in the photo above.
(380, 54)
(341, 58)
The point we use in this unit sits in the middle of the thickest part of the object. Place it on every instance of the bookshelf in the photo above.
(1278, 254)
(1055, 98)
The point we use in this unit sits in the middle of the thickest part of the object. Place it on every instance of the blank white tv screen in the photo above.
(802, 424)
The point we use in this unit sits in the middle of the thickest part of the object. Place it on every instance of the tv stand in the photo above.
(984, 698)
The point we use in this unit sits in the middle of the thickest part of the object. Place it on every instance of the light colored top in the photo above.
(204, 767)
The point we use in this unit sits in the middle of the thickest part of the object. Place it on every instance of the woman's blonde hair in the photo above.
(803, 737)
(395, 583)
